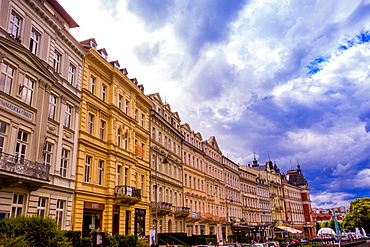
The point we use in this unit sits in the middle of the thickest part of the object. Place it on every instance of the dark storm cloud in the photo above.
(207, 23)
(196, 23)
(155, 13)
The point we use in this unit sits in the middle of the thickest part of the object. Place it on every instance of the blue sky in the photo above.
(286, 79)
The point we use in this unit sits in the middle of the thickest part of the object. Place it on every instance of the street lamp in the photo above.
(227, 214)
(165, 161)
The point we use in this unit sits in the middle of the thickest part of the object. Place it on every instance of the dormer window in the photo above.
(134, 80)
(103, 53)
(93, 45)
(115, 64)
(124, 71)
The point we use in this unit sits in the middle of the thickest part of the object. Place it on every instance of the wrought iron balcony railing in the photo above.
(21, 166)
(123, 190)
(162, 205)
(182, 209)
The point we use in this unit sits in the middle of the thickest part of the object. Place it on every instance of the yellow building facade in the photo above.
(112, 174)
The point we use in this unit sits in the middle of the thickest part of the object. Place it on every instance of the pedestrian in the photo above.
(221, 243)
(173, 245)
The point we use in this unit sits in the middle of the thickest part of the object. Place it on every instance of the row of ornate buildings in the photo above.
(80, 142)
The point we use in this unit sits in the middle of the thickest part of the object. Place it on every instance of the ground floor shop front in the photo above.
(104, 215)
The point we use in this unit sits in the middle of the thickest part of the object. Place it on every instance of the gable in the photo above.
(18, 52)
(213, 143)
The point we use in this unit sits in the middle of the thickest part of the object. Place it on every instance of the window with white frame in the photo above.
(52, 106)
(126, 142)
(34, 41)
(90, 124)
(27, 90)
(64, 162)
(59, 215)
(143, 120)
(48, 153)
(153, 133)
(104, 93)
(92, 84)
(22, 144)
(119, 171)
(56, 61)
(127, 106)
(102, 130)
(3, 132)
(135, 116)
(71, 74)
(126, 176)
(100, 172)
(120, 102)
(142, 186)
(87, 168)
(119, 137)
(41, 207)
(18, 205)
(6, 80)
(68, 116)
(14, 24)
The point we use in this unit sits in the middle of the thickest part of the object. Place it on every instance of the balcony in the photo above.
(14, 169)
(206, 217)
(127, 195)
(182, 211)
(223, 219)
(161, 208)
(279, 208)
(193, 217)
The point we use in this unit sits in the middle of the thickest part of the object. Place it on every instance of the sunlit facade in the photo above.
(167, 195)
(113, 172)
(40, 86)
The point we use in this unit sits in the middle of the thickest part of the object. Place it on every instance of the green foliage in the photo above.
(126, 240)
(317, 245)
(142, 243)
(31, 231)
(110, 241)
(359, 214)
(74, 237)
(86, 242)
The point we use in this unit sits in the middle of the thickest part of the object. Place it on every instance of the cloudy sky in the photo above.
(283, 79)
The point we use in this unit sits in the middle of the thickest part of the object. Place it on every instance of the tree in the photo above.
(358, 215)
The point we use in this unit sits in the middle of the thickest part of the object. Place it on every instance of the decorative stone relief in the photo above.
(2, 56)
(51, 128)
(67, 135)
(63, 99)
(90, 108)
